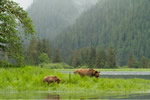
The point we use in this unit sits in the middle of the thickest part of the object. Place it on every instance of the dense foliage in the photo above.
(40, 51)
(94, 58)
(121, 24)
(109, 34)
(14, 23)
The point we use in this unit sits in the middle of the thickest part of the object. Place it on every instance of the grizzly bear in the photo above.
(89, 72)
(51, 79)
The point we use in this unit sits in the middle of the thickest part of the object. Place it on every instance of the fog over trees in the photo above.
(52, 16)
(121, 24)
(93, 33)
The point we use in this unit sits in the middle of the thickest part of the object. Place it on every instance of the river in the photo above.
(121, 74)
(58, 96)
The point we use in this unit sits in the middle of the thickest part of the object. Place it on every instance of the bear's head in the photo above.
(58, 80)
(96, 74)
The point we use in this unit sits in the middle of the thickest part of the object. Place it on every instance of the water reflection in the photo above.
(127, 76)
(53, 97)
(59, 96)
(141, 96)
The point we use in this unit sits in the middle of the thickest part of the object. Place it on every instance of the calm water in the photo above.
(69, 96)
(57, 96)
(124, 75)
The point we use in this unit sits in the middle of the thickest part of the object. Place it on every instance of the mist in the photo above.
(51, 17)
(24, 3)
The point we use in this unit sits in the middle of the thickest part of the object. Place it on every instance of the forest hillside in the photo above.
(121, 24)
(52, 16)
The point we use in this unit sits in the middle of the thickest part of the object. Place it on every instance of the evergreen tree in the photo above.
(145, 62)
(32, 52)
(111, 58)
(76, 61)
(57, 56)
(122, 24)
(43, 46)
(91, 57)
(36, 49)
(132, 61)
(84, 53)
(54, 16)
(101, 58)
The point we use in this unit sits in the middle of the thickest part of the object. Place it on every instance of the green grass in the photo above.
(30, 79)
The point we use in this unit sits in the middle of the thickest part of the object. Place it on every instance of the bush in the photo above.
(56, 66)
(4, 64)
(43, 58)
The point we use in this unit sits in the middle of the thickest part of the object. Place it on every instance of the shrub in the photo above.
(56, 66)
(43, 58)
(4, 64)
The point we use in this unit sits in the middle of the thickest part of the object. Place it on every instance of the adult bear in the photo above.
(89, 72)
(51, 79)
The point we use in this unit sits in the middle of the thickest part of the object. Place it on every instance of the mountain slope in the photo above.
(52, 16)
(122, 24)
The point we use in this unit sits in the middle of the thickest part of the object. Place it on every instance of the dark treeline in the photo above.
(94, 58)
(40, 51)
(122, 24)
(99, 58)
(133, 62)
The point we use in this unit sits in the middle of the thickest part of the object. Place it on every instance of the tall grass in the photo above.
(30, 79)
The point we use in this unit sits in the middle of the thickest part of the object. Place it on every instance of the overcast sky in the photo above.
(24, 3)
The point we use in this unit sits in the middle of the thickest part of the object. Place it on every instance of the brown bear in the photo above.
(89, 72)
(51, 79)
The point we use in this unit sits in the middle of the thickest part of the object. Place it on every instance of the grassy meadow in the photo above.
(30, 79)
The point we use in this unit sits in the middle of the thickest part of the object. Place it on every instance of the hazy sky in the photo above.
(24, 3)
